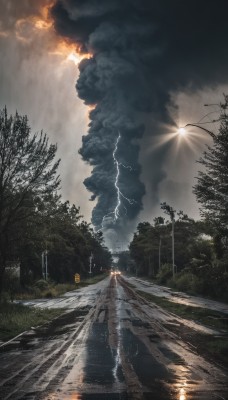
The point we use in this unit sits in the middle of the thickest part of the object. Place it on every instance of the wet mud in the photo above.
(118, 347)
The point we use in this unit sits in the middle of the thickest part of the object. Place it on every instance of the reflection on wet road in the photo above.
(110, 345)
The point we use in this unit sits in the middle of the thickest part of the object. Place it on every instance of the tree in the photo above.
(123, 262)
(27, 178)
(212, 184)
(70, 243)
(144, 248)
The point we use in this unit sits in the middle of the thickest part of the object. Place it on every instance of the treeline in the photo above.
(33, 218)
(200, 247)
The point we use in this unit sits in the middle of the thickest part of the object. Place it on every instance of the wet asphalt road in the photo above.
(111, 344)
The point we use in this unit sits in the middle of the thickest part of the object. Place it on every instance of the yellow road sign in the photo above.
(77, 278)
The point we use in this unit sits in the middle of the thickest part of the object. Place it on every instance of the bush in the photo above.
(11, 283)
(164, 274)
(49, 294)
(185, 281)
(41, 285)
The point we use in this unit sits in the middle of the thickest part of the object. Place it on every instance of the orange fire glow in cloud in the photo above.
(42, 24)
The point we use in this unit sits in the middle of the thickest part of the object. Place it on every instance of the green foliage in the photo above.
(199, 270)
(165, 273)
(212, 183)
(144, 249)
(41, 284)
(123, 262)
(186, 282)
(16, 318)
(27, 178)
(12, 283)
(33, 219)
(150, 241)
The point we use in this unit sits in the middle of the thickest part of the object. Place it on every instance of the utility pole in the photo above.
(173, 257)
(90, 263)
(44, 261)
(158, 222)
(171, 212)
(46, 264)
(159, 255)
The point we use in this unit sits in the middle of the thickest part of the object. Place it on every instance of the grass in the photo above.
(210, 318)
(214, 347)
(43, 289)
(16, 318)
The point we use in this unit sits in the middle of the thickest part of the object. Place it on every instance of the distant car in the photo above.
(115, 272)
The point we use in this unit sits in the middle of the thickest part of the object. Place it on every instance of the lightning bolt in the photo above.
(127, 167)
(117, 208)
(120, 195)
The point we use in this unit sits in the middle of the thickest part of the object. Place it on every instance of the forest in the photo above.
(41, 236)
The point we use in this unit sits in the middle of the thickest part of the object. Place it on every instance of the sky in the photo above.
(110, 82)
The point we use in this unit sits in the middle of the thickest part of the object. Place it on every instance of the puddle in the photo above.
(91, 396)
(147, 368)
(173, 357)
(100, 361)
(140, 323)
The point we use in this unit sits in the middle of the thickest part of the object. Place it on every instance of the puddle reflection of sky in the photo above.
(182, 394)
(117, 358)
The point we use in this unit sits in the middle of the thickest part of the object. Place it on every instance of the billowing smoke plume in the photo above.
(141, 51)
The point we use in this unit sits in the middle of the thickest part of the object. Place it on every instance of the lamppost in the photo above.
(201, 127)
(181, 131)
(222, 116)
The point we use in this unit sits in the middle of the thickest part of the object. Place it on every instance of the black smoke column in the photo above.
(142, 50)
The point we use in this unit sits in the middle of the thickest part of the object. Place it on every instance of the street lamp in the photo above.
(213, 137)
(222, 116)
(197, 126)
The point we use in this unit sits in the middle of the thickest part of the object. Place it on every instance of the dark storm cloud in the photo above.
(142, 50)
